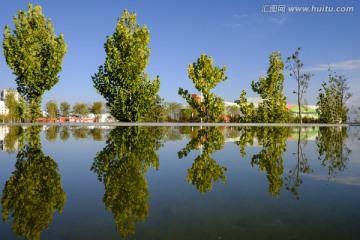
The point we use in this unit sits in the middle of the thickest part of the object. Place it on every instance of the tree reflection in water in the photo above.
(205, 169)
(270, 158)
(293, 181)
(34, 191)
(332, 149)
(121, 166)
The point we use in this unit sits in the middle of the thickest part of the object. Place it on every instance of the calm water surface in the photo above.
(180, 183)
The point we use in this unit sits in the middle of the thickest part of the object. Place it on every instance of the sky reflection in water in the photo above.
(180, 183)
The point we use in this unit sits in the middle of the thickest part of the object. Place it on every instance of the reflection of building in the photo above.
(5, 130)
(3, 94)
(307, 111)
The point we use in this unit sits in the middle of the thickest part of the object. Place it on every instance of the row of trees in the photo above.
(35, 55)
(20, 111)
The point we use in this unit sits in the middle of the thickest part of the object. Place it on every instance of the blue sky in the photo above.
(235, 33)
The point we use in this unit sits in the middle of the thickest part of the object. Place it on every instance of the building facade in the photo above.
(3, 94)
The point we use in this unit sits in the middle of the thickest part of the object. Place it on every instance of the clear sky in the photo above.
(238, 34)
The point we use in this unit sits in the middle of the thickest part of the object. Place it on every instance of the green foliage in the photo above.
(157, 111)
(173, 110)
(189, 115)
(52, 108)
(332, 99)
(97, 108)
(35, 54)
(205, 77)
(273, 108)
(331, 145)
(64, 133)
(97, 134)
(81, 109)
(64, 109)
(13, 106)
(51, 133)
(122, 80)
(80, 132)
(205, 169)
(247, 110)
(270, 158)
(34, 191)
(121, 166)
(302, 79)
(12, 139)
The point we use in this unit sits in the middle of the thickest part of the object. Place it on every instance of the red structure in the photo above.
(65, 119)
(46, 120)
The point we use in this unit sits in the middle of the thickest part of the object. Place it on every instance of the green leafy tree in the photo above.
(273, 108)
(13, 106)
(157, 112)
(189, 114)
(52, 108)
(24, 110)
(294, 66)
(205, 170)
(81, 109)
(35, 54)
(173, 110)
(234, 112)
(332, 99)
(97, 109)
(34, 191)
(247, 110)
(122, 80)
(205, 77)
(121, 166)
(65, 109)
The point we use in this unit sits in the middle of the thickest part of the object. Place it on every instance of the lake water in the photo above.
(180, 183)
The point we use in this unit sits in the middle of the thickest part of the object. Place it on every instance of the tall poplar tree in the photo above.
(205, 77)
(35, 55)
(122, 80)
(273, 108)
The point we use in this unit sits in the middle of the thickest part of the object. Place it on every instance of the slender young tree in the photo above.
(35, 55)
(294, 65)
(205, 77)
(65, 109)
(97, 109)
(13, 106)
(273, 108)
(52, 108)
(332, 99)
(122, 80)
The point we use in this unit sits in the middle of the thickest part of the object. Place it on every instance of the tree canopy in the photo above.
(332, 99)
(35, 55)
(205, 77)
(273, 108)
(122, 80)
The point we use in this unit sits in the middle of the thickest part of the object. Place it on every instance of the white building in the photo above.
(3, 94)
(3, 108)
